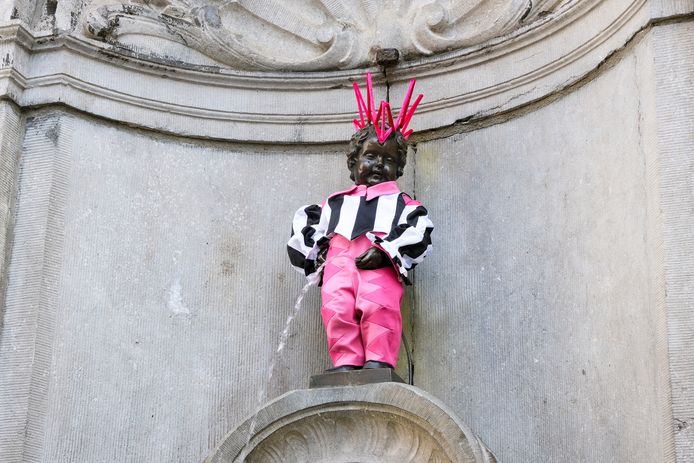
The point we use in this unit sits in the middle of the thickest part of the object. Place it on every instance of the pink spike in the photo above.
(410, 113)
(386, 135)
(378, 116)
(377, 120)
(405, 104)
(382, 111)
(407, 134)
(382, 116)
(360, 102)
(370, 98)
(390, 116)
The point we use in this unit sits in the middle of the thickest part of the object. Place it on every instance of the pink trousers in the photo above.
(361, 308)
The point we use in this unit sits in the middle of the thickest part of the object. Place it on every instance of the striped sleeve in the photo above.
(308, 233)
(410, 240)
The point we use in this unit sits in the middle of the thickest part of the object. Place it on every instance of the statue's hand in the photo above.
(371, 259)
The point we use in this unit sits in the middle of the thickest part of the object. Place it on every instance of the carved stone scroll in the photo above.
(308, 36)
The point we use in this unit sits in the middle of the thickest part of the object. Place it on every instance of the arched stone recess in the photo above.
(385, 423)
(107, 72)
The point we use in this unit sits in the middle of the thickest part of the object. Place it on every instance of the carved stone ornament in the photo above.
(310, 35)
(144, 75)
(385, 423)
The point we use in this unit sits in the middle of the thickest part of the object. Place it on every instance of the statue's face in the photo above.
(376, 163)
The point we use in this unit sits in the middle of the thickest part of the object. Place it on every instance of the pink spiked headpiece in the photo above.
(368, 114)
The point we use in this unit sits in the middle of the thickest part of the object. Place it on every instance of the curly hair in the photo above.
(359, 138)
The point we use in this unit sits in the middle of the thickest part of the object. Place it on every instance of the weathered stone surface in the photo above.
(13, 412)
(32, 285)
(385, 422)
(540, 314)
(11, 135)
(17, 10)
(317, 35)
(665, 8)
(673, 46)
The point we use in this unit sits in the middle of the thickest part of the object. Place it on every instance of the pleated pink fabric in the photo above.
(361, 308)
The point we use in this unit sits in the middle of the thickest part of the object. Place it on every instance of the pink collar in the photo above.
(375, 191)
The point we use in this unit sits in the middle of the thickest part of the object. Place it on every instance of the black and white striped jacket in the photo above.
(392, 220)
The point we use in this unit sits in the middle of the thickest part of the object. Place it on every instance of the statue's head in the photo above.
(371, 161)
(378, 150)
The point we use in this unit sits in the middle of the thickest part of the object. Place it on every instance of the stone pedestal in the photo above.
(354, 378)
(386, 422)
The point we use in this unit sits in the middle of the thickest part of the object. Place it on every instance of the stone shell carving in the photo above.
(362, 434)
(385, 423)
(310, 35)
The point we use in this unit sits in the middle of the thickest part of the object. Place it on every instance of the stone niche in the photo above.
(142, 289)
(384, 422)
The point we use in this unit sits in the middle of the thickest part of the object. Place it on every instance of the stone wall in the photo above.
(162, 289)
(672, 49)
(546, 284)
(149, 283)
(145, 280)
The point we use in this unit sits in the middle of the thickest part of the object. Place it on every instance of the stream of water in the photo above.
(276, 354)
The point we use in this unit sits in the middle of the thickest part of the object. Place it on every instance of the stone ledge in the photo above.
(354, 378)
(384, 422)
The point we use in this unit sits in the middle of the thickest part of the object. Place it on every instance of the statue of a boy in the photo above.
(368, 237)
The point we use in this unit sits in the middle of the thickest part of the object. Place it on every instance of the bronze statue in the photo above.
(363, 241)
